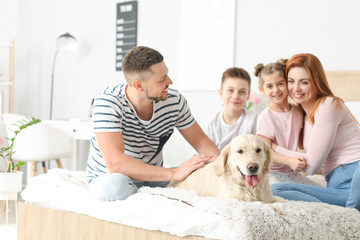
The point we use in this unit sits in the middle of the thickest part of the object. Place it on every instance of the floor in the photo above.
(8, 231)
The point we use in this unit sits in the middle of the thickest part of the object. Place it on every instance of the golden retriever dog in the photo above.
(239, 172)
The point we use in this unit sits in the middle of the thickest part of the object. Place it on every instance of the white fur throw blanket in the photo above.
(182, 212)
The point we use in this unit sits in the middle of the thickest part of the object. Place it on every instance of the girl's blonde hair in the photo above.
(278, 66)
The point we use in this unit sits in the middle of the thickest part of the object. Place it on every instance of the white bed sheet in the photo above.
(182, 212)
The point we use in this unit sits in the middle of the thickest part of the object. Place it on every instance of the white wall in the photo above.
(269, 30)
(8, 20)
(79, 76)
(265, 31)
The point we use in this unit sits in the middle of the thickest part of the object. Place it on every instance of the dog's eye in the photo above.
(258, 150)
(240, 151)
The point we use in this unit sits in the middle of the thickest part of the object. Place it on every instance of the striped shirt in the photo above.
(144, 140)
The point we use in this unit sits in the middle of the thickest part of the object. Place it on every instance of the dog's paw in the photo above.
(278, 210)
(172, 184)
(279, 199)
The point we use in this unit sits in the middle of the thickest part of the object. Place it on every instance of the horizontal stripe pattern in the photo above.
(112, 112)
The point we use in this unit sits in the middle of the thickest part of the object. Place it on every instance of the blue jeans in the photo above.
(116, 186)
(343, 188)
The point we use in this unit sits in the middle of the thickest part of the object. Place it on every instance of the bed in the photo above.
(58, 206)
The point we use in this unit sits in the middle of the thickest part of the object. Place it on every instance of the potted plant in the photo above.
(10, 179)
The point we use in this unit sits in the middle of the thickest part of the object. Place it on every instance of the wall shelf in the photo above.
(3, 83)
(7, 68)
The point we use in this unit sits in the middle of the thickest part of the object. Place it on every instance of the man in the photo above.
(132, 122)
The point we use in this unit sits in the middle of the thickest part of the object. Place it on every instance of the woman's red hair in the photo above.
(318, 78)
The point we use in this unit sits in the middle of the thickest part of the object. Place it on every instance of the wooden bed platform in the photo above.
(345, 84)
(40, 223)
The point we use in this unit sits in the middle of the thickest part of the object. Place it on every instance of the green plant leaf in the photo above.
(19, 164)
(7, 152)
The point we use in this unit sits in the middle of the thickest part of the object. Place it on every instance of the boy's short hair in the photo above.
(235, 72)
(140, 59)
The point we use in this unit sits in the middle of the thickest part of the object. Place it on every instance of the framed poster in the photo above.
(126, 30)
(207, 43)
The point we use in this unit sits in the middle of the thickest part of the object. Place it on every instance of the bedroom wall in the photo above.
(265, 31)
(80, 75)
(8, 20)
(269, 30)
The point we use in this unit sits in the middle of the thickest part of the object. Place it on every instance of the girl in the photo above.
(331, 138)
(280, 123)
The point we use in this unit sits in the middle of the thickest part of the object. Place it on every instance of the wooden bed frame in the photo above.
(36, 223)
(40, 223)
(345, 84)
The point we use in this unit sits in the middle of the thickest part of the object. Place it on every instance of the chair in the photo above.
(38, 143)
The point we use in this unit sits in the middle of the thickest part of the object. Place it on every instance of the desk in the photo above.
(79, 130)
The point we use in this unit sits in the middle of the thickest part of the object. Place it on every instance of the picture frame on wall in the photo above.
(207, 43)
(126, 30)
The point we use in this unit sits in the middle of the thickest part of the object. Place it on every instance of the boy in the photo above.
(234, 119)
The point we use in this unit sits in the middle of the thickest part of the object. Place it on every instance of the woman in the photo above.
(331, 138)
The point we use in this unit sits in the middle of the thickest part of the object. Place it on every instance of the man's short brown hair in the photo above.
(140, 59)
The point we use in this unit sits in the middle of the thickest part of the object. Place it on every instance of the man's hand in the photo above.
(185, 169)
(297, 163)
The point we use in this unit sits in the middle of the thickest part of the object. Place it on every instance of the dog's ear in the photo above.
(221, 161)
(267, 150)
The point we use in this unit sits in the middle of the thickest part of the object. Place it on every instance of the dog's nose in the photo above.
(252, 167)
